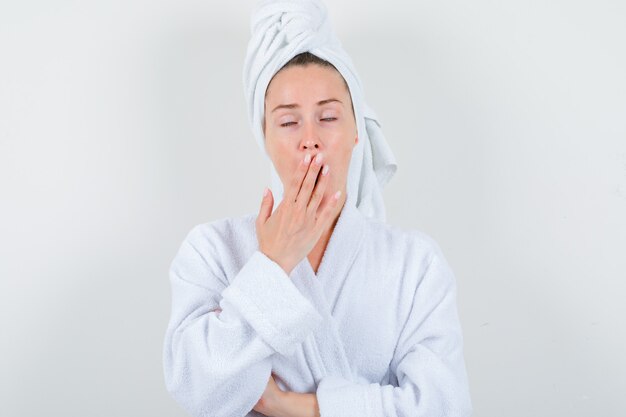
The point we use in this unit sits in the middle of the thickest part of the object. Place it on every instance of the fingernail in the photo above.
(325, 170)
(337, 194)
(307, 158)
(318, 158)
(265, 192)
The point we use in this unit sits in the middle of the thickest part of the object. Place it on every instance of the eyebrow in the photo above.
(295, 105)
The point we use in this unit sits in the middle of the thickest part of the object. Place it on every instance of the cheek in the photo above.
(344, 154)
(338, 165)
(286, 162)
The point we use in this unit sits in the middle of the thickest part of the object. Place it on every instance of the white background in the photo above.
(123, 125)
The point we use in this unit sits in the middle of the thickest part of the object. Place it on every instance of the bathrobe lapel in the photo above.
(326, 346)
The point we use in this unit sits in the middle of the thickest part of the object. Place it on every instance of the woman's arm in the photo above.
(278, 403)
(294, 404)
(302, 405)
(218, 363)
(428, 361)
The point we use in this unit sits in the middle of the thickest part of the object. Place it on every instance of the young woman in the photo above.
(314, 305)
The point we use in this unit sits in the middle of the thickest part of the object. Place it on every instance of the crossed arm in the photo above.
(278, 403)
(287, 403)
(206, 358)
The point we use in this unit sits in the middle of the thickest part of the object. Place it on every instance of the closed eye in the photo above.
(330, 119)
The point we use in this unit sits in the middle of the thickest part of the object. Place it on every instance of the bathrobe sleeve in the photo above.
(218, 364)
(428, 362)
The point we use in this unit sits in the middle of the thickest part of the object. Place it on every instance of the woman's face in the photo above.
(308, 109)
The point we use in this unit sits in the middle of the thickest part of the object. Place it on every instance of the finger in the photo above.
(296, 181)
(318, 191)
(266, 207)
(304, 196)
(328, 211)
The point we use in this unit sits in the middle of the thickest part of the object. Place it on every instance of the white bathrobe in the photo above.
(374, 333)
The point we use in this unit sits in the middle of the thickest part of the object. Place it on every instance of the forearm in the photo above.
(295, 404)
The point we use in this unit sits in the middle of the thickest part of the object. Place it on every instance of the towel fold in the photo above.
(282, 29)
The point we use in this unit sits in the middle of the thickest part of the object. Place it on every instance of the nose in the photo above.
(310, 141)
(310, 145)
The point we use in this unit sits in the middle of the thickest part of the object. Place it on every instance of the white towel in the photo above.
(281, 29)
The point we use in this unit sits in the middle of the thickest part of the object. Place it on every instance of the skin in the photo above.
(328, 129)
(304, 221)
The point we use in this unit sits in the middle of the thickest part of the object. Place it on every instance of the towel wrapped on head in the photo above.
(282, 29)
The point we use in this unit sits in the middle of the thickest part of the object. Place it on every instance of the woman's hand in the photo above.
(278, 403)
(270, 402)
(290, 233)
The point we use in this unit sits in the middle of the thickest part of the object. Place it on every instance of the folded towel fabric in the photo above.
(281, 29)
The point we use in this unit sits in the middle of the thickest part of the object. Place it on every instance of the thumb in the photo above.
(266, 206)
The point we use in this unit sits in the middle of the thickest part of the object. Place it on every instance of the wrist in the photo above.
(284, 264)
(282, 405)
(294, 404)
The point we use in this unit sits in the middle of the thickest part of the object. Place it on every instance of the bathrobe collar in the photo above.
(323, 289)
(343, 245)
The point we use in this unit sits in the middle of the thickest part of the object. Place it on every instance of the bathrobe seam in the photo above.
(318, 356)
